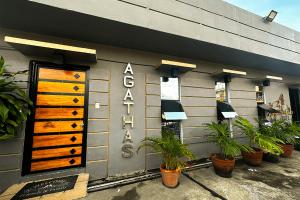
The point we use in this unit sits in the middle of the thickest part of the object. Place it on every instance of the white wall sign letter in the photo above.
(128, 81)
(128, 69)
(128, 119)
(128, 95)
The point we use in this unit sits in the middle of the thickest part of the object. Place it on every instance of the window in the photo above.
(220, 88)
(171, 108)
(224, 109)
(259, 94)
(169, 88)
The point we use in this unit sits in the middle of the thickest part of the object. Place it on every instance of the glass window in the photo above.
(220, 88)
(259, 94)
(170, 91)
(173, 125)
(169, 88)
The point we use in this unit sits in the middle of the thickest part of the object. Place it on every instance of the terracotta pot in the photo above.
(287, 150)
(271, 158)
(253, 158)
(170, 178)
(223, 167)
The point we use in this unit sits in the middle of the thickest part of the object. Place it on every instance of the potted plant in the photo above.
(257, 141)
(174, 155)
(268, 129)
(288, 132)
(14, 104)
(224, 161)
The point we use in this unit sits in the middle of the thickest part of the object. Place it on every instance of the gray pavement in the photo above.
(269, 181)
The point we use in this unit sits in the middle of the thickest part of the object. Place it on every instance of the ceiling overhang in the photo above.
(42, 19)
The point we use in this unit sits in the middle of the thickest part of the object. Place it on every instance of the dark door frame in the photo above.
(295, 103)
(33, 79)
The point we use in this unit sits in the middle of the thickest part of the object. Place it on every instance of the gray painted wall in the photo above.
(213, 21)
(105, 133)
(117, 164)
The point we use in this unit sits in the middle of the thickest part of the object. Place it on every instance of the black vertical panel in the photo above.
(295, 103)
(33, 77)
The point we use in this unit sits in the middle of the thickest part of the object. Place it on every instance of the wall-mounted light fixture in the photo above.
(48, 45)
(40, 48)
(271, 16)
(178, 64)
(174, 68)
(274, 77)
(234, 72)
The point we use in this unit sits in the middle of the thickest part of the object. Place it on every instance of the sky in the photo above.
(288, 10)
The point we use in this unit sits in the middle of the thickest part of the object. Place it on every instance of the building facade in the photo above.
(100, 104)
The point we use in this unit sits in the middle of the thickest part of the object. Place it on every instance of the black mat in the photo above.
(40, 188)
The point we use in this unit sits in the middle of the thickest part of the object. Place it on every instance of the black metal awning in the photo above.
(172, 110)
(267, 108)
(225, 111)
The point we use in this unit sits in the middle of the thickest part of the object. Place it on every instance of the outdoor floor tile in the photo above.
(270, 181)
(153, 189)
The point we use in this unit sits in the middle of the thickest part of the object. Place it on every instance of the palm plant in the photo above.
(257, 137)
(171, 149)
(286, 131)
(220, 133)
(14, 103)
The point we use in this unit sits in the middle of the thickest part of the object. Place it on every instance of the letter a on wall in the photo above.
(128, 69)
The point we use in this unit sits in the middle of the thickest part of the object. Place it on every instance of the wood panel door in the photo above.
(56, 131)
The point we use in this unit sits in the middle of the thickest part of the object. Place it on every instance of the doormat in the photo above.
(61, 188)
(41, 188)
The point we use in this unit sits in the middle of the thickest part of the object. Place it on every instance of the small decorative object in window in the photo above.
(259, 94)
(220, 91)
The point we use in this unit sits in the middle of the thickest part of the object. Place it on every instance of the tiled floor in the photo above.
(270, 181)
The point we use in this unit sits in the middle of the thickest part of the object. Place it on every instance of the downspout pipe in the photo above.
(136, 179)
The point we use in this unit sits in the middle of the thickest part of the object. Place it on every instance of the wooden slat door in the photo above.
(56, 132)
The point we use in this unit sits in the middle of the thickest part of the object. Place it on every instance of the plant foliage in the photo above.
(220, 134)
(285, 131)
(266, 142)
(14, 103)
(171, 149)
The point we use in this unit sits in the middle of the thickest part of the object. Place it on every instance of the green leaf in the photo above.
(170, 148)
(220, 134)
(3, 112)
(12, 123)
(14, 104)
